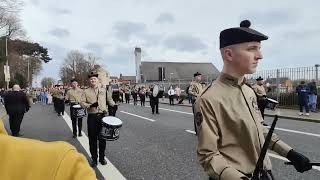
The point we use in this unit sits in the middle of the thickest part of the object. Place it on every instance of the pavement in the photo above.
(163, 146)
(282, 113)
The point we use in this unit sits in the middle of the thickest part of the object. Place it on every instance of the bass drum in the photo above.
(110, 129)
(155, 91)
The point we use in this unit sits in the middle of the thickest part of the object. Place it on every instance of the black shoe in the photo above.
(59, 114)
(80, 134)
(74, 136)
(103, 161)
(158, 113)
(93, 163)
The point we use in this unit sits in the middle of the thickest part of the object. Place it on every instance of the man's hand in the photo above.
(300, 162)
(94, 104)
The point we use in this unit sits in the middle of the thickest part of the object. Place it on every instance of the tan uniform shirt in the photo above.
(92, 95)
(60, 94)
(74, 95)
(230, 130)
(195, 89)
(259, 90)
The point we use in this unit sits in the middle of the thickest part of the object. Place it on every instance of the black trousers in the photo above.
(142, 100)
(94, 123)
(154, 103)
(171, 100)
(15, 120)
(194, 117)
(127, 97)
(135, 99)
(54, 100)
(75, 121)
(60, 106)
(262, 103)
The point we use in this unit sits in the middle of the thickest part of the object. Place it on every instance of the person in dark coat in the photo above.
(16, 104)
(303, 91)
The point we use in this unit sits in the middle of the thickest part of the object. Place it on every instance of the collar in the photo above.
(230, 80)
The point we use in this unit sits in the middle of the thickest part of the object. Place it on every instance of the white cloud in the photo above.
(171, 30)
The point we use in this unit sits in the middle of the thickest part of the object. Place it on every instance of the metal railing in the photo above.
(281, 83)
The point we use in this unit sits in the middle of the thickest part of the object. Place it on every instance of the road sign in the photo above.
(6, 73)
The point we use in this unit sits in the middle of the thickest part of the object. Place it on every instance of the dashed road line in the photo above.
(189, 131)
(148, 119)
(108, 171)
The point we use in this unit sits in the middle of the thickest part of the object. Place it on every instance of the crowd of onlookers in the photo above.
(307, 95)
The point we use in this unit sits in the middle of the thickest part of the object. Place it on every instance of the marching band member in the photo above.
(95, 99)
(74, 96)
(230, 129)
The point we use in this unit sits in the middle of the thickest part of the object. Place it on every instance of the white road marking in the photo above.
(108, 171)
(189, 131)
(148, 119)
(285, 159)
(182, 112)
(280, 129)
(297, 132)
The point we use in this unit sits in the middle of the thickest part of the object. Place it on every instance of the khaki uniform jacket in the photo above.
(28, 159)
(54, 93)
(230, 130)
(259, 90)
(60, 94)
(74, 95)
(195, 89)
(92, 95)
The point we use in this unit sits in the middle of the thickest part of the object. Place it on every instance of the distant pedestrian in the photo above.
(171, 94)
(303, 92)
(313, 96)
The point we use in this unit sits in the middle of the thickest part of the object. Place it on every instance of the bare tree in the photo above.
(9, 18)
(77, 65)
(47, 82)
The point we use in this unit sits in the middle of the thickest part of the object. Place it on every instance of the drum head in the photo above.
(272, 101)
(155, 91)
(76, 106)
(111, 120)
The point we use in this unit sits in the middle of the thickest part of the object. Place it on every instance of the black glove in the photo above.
(94, 104)
(300, 162)
(67, 101)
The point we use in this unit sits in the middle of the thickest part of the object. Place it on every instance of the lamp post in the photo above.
(7, 63)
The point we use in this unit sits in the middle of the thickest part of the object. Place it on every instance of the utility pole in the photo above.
(7, 63)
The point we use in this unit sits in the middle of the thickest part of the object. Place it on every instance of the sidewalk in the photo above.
(284, 113)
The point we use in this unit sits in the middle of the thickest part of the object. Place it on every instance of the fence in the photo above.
(281, 83)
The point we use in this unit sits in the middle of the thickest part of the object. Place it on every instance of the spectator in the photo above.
(303, 92)
(313, 96)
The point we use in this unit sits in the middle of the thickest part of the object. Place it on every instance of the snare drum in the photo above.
(110, 130)
(78, 111)
(271, 103)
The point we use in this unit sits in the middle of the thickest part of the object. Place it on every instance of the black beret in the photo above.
(57, 85)
(240, 34)
(196, 74)
(93, 74)
(259, 78)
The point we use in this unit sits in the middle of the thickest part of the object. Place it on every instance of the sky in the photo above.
(170, 30)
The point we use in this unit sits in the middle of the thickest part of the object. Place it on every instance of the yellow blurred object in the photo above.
(29, 159)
